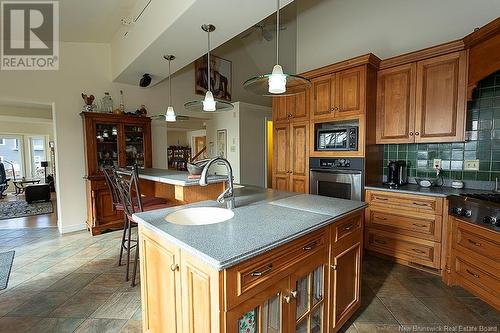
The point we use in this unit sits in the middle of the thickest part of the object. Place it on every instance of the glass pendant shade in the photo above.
(208, 104)
(276, 83)
(170, 115)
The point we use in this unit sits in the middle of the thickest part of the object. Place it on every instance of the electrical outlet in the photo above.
(437, 164)
(472, 165)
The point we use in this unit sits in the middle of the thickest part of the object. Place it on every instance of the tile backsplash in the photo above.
(482, 142)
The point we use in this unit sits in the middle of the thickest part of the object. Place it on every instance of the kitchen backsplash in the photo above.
(483, 142)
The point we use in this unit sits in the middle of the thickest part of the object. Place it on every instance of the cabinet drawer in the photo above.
(406, 202)
(480, 244)
(252, 276)
(413, 249)
(424, 226)
(483, 278)
(346, 227)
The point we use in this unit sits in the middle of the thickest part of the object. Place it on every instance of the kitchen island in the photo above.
(277, 263)
(178, 186)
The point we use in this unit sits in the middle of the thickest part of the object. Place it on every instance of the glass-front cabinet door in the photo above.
(107, 147)
(134, 145)
(308, 309)
(266, 312)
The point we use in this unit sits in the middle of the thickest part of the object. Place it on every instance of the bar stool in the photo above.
(111, 181)
(132, 202)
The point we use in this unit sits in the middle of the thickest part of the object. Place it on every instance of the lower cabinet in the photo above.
(310, 285)
(475, 260)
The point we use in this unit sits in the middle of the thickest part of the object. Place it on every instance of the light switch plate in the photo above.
(472, 165)
(437, 164)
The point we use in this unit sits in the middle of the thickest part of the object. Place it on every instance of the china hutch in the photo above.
(111, 140)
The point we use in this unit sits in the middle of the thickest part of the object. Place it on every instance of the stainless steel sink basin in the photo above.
(199, 216)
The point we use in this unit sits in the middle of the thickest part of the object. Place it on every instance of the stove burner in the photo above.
(491, 197)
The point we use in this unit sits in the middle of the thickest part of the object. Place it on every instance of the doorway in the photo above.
(269, 153)
(200, 147)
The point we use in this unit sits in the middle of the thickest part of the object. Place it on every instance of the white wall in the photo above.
(177, 138)
(333, 30)
(229, 121)
(253, 143)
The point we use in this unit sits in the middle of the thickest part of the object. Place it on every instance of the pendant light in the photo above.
(277, 82)
(208, 104)
(170, 115)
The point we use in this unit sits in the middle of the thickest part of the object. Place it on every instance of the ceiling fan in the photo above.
(265, 33)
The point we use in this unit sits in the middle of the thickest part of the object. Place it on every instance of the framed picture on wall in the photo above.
(221, 77)
(222, 143)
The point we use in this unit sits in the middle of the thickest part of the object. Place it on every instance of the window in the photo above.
(38, 144)
(2, 142)
(15, 145)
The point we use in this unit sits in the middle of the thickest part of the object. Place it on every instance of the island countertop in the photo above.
(263, 219)
(174, 177)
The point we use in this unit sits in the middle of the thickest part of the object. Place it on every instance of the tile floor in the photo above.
(72, 283)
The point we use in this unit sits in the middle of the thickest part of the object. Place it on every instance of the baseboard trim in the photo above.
(72, 228)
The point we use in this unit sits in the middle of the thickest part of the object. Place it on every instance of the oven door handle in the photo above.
(342, 171)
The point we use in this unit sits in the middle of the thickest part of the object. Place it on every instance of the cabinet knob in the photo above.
(417, 133)
(411, 133)
(334, 267)
(174, 267)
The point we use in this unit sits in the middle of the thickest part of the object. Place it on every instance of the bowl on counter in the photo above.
(196, 168)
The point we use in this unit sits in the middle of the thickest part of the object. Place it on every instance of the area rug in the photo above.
(13, 209)
(6, 259)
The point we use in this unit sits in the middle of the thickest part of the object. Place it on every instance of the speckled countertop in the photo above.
(430, 191)
(174, 177)
(263, 219)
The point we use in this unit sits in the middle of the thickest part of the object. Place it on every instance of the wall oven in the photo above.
(337, 177)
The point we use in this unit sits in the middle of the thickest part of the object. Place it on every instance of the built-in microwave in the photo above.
(337, 138)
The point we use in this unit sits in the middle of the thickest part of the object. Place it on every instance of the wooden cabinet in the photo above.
(475, 260)
(423, 101)
(116, 140)
(291, 157)
(396, 104)
(405, 227)
(295, 287)
(441, 98)
(291, 108)
(339, 94)
(346, 250)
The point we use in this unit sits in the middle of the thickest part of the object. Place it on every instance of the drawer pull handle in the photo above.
(420, 225)
(381, 218)
(472, 273)
(383, 199)
(310, 246)
(380, 241)
(265, 271)
(348, 227)
(475, 243)
(420, 204)
(418, 251)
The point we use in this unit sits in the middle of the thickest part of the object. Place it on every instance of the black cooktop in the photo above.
(490, 197)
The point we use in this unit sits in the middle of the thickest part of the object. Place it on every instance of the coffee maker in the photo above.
(397, 174)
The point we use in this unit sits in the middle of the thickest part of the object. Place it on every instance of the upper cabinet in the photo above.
(339, 94)
(441, 98)
(396, 104)
(291, 108)
(423, 101)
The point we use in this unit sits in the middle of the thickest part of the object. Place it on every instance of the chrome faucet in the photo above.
(228, 194)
